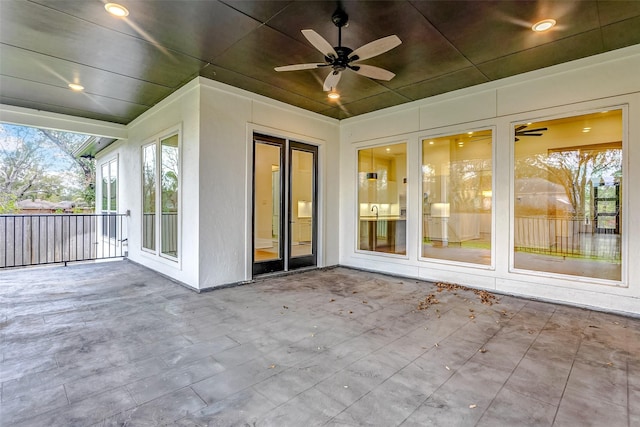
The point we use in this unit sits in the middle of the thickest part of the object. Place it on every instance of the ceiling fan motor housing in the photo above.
(342, 61)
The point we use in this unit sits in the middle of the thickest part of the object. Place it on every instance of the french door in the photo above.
(284, 204)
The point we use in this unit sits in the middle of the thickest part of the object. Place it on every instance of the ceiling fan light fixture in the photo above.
(333, 95)
(544, 25)
(116, 10)
(76, 87)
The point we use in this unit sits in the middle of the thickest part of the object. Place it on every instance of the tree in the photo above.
(22, 165)
(36, 163)
(68, 143)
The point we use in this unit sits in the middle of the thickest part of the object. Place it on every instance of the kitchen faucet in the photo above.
(374, 206)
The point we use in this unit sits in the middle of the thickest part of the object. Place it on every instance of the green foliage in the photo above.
(30, 167)
(8, 203)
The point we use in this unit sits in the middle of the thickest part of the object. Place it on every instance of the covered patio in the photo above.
(118, 344)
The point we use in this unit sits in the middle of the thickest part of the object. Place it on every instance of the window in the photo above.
(169, 195)
(457, 197)
(109, 199)
(382, 199)
(149, 197)
(567, 195)
(161, 178)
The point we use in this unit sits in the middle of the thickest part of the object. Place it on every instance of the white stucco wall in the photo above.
(217, 122)
(228, 118)
(592, 83)
(181, 109)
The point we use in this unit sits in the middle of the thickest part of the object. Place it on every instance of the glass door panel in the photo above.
(268, 247)
(302, 205)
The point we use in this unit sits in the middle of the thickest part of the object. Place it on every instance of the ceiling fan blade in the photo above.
(519, 128)
(297, 67)
(374, 48)
(534, 130)
(373, 72)
(331, 81)
(529, 134)
(320, 43)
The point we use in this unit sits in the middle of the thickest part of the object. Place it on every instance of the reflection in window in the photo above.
(169, 180)
(457, 197)
(149, 197)
(382, 198)
(567, 195)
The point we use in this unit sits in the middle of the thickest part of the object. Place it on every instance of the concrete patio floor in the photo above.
(117, 344)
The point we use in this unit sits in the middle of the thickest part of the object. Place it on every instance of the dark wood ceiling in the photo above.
(127, 65)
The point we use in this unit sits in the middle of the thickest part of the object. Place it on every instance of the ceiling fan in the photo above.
(341, 58)
(523, 131)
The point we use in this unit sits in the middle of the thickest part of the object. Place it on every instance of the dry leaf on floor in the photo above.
(483, 350)
(331, 300)
(272, 367)
(428, 301)
(285, 307)
(364, 302)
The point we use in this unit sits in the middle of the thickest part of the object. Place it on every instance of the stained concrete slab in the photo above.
(117, 344)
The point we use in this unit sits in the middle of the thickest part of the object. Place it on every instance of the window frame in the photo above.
(156, 140)
(624, 205)
(108, 210)
(457, 130)
(356, 208)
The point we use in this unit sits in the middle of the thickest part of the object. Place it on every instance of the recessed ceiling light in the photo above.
(333, 95)
(543, 25)
(76, 87)
(431, 142)
(388, 149)
(116, 10)
(585, 130)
